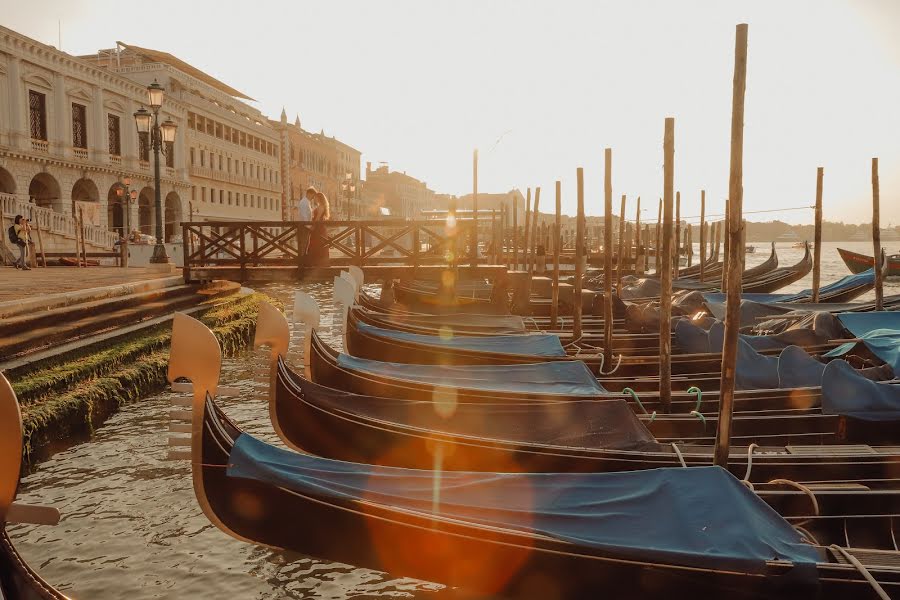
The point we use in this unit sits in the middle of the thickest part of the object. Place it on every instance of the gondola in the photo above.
(374, 343)
(496, 533)
(782, 277)
(18, 581)
(857, 263)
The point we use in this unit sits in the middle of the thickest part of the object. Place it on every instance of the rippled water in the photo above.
(131, 526)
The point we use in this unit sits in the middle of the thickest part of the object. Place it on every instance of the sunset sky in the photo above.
(543, 87)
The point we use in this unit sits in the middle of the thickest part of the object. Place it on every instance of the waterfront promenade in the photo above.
(17, 286)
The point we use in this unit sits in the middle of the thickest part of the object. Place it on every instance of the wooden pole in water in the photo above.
(702, 235)
(677, 234)
(579, 253)
(607, 258)
(637, 238)
(494, 236)
(689, 244)
(620, 259)
(474, 233)
(646, 265)
(535, 232)
(515, 233)
(719, 225)
(817, 239)
(665, 275)
(557, 243)
(525, 235)
(736, 199)
(876, 237)
(40, 238)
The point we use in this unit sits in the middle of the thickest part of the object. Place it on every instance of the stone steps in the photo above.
(26, 334)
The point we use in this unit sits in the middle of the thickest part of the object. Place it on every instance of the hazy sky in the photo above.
(543, 87)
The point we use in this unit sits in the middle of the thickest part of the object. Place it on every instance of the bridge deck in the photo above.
(270, 273)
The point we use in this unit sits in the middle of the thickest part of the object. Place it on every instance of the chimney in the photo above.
(368, 168)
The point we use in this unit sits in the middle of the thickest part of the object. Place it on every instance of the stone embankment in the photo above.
(73, 364)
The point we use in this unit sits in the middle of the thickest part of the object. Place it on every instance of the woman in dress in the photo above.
(317, 252)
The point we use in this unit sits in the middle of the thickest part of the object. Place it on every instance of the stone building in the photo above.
(401, 194)
(68, 141)
(316, 160)
(231, 152)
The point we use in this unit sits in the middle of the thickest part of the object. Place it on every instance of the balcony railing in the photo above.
(42, 146)
(54, 222)
(80, 153)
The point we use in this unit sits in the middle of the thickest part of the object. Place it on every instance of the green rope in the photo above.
(634, 396)
(701, 417)
(695, 390)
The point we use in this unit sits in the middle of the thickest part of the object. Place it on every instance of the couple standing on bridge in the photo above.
(314, 207)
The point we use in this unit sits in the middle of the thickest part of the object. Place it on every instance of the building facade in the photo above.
(325, 163)
(68, 142)
(230, 151)
(394, 192)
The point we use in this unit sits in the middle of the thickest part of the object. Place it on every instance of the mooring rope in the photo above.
(802, 488)
(678, 453)
(862, 571)
(614, 369)
(750, 450)
(634, 397)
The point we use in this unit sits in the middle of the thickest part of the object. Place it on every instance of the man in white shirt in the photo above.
(304, 214)
(304, 208)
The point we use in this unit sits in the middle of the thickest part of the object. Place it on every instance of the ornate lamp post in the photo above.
(160, 134)
(349, 190)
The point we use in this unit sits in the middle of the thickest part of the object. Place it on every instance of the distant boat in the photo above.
(749, 249)
(800, 245)
(857, 263)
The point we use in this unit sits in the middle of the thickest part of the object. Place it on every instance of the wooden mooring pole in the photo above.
(607, 258)
(557, 243)
(579, 253)
(638, 266)
(664, 258)
(876, 237)
(736, 199)
(726, 242)
(535, 232)
(817, 238)
(525, 234)
(515, 233)
(702, 235)
(677, 234)
(620, 258)
(474, 233)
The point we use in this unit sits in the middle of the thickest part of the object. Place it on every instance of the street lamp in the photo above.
(349, 189)
(160, 134)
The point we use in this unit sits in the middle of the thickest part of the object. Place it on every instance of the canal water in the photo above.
(130, 524)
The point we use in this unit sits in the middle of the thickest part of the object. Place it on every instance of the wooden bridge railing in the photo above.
(285, 243)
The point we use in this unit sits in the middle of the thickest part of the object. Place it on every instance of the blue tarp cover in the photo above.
(880, 332)
(846, 392)
(754, 371)
(797, 369)
(568, 377)
(533, 344)
(701, 516)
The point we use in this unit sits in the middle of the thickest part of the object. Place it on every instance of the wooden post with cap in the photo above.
(735, 209)
(665, 275)
(620, 259)
(557, 243)
(607, 258)
(579, 254)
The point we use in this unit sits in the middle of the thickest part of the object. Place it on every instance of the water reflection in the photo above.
(130, 524)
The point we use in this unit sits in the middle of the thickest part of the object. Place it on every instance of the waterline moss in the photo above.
(63, 403)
